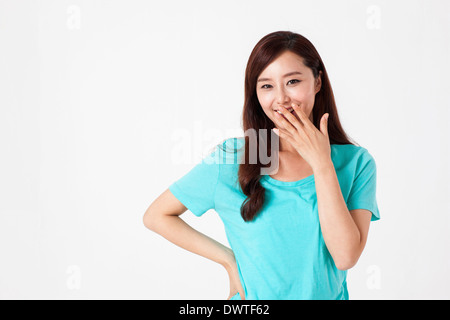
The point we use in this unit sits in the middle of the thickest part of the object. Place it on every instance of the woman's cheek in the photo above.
(265, 101)
(307, 100)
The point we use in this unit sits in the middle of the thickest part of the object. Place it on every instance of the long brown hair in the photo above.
(253, 117)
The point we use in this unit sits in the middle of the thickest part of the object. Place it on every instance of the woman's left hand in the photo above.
(312, 145)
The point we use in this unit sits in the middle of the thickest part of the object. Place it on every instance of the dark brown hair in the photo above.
(253, 117)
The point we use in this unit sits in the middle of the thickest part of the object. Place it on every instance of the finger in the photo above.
(283, 122)
(290, 117)
(324, 124)
(285, 135)
(301, 114)
(241, 293)
(279, 120)
(232, 295)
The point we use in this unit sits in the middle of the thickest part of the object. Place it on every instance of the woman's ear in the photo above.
(318, 84)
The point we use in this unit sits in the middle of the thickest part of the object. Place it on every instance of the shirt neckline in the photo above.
(297, 183)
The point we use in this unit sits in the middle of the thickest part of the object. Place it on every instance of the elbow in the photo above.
(344, 266)
(150, 221)
(347, 257)
(346, 262)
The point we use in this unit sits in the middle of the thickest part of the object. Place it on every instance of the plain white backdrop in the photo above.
(103, 104)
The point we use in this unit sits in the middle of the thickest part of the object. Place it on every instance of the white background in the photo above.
(99, 98)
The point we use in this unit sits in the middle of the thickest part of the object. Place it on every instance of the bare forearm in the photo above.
(340, 233)
(177, 231)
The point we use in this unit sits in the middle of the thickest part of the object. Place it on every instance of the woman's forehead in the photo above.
(285, 65)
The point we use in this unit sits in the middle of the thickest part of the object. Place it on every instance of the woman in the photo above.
(295, 232)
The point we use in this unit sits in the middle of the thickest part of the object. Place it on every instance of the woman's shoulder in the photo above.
(348, 148)
(350, 153)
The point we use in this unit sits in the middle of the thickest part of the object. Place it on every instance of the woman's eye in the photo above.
(294, 80)
(266, 86)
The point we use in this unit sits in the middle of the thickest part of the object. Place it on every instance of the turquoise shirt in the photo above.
(281, 254)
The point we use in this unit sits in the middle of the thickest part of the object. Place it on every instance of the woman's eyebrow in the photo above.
(286, 75)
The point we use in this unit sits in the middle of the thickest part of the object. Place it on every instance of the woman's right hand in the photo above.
(163, 217)
(235, 282)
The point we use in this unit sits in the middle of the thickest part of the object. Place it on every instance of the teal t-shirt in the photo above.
(281, 254)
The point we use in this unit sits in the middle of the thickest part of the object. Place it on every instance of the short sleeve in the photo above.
(196, 189)
(363, 191)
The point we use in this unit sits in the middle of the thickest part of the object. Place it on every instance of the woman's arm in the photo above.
(163, 218)
(345, 233)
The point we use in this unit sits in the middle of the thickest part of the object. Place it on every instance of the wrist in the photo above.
(229, 261)
(323, 166)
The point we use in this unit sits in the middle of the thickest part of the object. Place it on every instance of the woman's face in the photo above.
(287, 80)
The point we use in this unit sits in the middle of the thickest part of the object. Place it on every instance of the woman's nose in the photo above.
(282, 97)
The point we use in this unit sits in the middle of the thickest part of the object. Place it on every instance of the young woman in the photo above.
(293, 233)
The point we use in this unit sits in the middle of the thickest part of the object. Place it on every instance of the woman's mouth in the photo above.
(290, 110)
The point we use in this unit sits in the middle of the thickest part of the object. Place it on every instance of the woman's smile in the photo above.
(290, 110)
